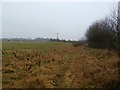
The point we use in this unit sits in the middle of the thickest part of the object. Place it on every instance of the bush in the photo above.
(101, 35)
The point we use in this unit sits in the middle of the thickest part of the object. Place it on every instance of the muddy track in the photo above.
(60, 76)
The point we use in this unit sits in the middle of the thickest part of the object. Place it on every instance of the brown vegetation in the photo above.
(63, 66)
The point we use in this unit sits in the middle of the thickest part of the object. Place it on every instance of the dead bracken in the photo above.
(58, 66)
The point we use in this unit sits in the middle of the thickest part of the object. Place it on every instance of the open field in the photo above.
(56, 65)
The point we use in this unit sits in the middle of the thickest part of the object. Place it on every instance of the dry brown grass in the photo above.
(87, 71)
(62, 66)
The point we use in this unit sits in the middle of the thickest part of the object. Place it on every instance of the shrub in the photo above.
(101, 35)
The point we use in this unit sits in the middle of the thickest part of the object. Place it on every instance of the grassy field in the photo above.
(57, 65)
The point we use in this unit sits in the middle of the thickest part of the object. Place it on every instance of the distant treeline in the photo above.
(36, 40)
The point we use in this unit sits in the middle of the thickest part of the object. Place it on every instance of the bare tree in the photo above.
(106, 33)
(101, 34)
(115, 23)
(118, 30)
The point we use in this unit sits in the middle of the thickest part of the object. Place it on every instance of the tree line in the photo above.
(38, 39)
(105, 33)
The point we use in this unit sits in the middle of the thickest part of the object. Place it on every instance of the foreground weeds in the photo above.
(58, 65)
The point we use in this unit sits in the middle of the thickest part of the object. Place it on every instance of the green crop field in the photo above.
(56, 65)
(31, 45)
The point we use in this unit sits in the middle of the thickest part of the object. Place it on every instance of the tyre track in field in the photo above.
(60, 78)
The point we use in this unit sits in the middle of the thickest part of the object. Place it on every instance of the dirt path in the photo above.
(61, 79)
(60, 76)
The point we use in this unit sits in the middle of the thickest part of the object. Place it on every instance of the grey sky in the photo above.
(70, 20)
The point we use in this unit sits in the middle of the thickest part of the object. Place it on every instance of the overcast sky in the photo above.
(37, 19)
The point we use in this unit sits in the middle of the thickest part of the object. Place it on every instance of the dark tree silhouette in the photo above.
(101, 34)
